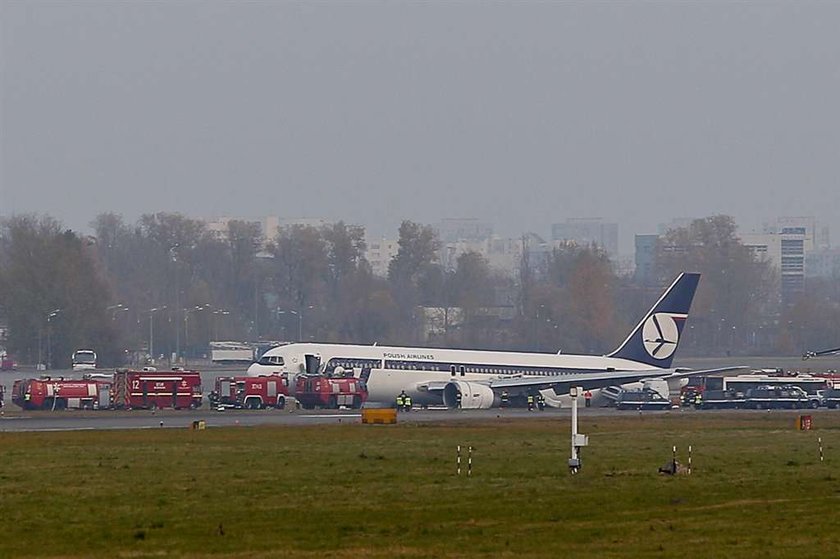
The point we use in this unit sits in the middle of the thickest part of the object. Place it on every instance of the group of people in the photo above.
(403, 401)
(540, 401)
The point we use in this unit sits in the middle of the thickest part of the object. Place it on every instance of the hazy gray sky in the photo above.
(523, 114)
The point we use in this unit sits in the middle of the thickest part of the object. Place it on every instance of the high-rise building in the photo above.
(587, 232)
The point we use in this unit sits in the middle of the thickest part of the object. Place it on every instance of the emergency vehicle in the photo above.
(59, 393)
(330, 392)
(156, 389)
(267, 391)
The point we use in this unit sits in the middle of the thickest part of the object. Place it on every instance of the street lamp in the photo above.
(216, 313)
(300, 322)
(152, 312)
(187, 326)
(50, 316)
(173, 256)
(299, 314)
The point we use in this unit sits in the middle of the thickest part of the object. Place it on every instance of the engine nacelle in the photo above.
(474, 396)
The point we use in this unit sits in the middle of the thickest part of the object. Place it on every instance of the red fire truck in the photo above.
(250, 392)
(57, 394)
(156, 389)
(330, 392)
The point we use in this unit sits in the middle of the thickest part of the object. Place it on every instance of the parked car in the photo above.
(780, 397)
(831, 398)
(722, 399)
(642, 399)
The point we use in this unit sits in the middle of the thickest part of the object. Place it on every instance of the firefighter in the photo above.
(698, 401)
(401, 400)
(541, 402)
(587, 396)
(530, 402)
(407, 402)
(505, 399)
(458, 397)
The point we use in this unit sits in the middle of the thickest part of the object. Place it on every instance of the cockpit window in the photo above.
(271, 360)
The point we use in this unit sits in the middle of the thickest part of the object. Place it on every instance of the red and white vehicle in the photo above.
(59, 393)
(267, 391)
(7, 363)
(330, 392)
(156, 389)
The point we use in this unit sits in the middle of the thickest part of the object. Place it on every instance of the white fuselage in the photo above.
(394, 369)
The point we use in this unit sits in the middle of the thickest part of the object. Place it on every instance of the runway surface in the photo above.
(69, 420)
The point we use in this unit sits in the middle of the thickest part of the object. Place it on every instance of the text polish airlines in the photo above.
(438, 376)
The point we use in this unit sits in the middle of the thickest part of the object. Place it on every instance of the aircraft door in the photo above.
(312, 363)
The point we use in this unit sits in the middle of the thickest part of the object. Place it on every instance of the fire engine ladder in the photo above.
(120, 397)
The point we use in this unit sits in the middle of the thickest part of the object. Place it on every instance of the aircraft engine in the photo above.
(474, 396)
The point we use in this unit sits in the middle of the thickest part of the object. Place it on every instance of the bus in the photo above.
(83, 360)
(741, 383)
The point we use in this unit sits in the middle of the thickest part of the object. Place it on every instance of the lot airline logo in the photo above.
(661, 334)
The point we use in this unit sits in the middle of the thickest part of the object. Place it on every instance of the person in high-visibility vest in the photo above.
(541, 402)
(530, 402)
(458, 397)
(407, 403)
(400, 400)
(698, 400)
(505, 399)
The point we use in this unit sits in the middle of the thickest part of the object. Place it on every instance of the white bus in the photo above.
(84, 360)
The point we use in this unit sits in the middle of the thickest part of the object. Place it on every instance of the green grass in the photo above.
(758, 489)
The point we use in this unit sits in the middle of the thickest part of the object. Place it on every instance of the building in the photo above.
(379, 253)
(785, 245)
(823, 264)
(464, 229)
(587, 232)
(645, 259)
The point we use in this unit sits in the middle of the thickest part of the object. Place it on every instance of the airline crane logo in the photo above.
(661, 334)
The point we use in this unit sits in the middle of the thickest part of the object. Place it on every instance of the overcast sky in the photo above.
(521, 114)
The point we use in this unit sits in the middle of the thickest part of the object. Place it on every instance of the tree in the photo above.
(55, 295)
(412, 268)
(736, 289)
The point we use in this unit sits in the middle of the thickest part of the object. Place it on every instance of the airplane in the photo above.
(472, 379)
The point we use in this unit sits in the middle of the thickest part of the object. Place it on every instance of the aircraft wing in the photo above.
(585, 380)
(562, 384)
(600, 380)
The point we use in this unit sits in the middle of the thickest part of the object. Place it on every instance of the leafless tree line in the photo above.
(168, 280)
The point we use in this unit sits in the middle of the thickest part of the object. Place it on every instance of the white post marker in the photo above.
(822, 457)
(689, 459)
(469, 461)
(578, 440)
(458, 460)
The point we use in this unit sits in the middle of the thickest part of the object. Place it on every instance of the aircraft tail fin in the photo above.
(654, 340)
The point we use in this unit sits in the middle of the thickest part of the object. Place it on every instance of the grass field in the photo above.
(757, 489)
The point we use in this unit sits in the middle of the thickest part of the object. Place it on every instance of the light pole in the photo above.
(300, 322)
(216, 313)
(152, 312)
(50, 316)
(173, 255)
(299, 314)
(187, 326)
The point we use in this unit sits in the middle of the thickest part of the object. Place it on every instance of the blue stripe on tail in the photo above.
(654, 340)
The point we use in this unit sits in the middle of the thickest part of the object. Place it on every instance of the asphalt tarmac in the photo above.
(73, 420)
